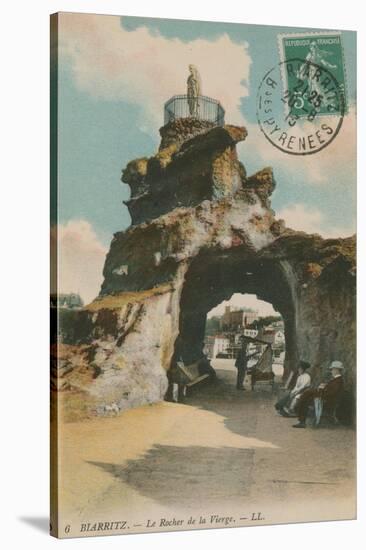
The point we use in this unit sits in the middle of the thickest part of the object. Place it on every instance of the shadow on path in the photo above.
(171, 474)
(239, 408)
(189, 474)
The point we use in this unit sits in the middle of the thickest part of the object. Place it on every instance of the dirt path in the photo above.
(222, 452)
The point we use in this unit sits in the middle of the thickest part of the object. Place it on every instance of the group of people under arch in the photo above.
(297, 401)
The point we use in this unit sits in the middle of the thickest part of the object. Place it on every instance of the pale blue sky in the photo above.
(100, 132)
(99, 136)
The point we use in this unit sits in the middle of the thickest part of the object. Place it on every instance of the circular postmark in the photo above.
(300, 107)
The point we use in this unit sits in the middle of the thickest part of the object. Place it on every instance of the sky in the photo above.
(115, 75)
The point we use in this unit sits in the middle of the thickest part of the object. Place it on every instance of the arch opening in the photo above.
(244, 315)
(212, 278)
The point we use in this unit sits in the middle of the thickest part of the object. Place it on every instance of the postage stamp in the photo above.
(322, 49)
(300, 101)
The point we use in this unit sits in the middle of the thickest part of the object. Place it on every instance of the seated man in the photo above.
(328, 392)
(286, 404)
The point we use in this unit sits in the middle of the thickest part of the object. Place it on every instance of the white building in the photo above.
(221, 345)
(237, 318)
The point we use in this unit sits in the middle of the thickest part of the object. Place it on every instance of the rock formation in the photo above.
(201, 230)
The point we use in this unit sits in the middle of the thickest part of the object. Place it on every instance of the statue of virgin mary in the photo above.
(193, 91)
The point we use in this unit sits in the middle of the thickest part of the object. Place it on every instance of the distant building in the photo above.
(236, 319)
(273, 336)
(67, 301)
(221, 345)
(238, 338)
(208, 348)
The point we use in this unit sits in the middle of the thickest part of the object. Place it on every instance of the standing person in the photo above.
(241, 364)
(328, 392)
(286, 405)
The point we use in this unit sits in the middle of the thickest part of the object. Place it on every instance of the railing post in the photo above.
(209, 109)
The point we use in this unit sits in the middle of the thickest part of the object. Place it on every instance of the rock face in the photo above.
(185, 172)
(201, 230)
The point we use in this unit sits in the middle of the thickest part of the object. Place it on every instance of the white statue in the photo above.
(193, 91)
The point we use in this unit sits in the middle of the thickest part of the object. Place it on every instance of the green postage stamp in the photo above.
(320, 52)
(301, 101)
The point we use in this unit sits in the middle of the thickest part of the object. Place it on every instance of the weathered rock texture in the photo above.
(202, 230)
(185, 172)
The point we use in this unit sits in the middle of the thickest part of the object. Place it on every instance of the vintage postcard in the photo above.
(203, 292)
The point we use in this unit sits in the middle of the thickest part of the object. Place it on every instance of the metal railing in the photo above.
(201, 108)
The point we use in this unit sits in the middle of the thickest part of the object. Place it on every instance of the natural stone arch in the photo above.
(198, 223)
(214, 276)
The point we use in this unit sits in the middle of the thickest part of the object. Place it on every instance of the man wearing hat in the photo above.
(241, 363)
(286, 405)
(328, 392)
